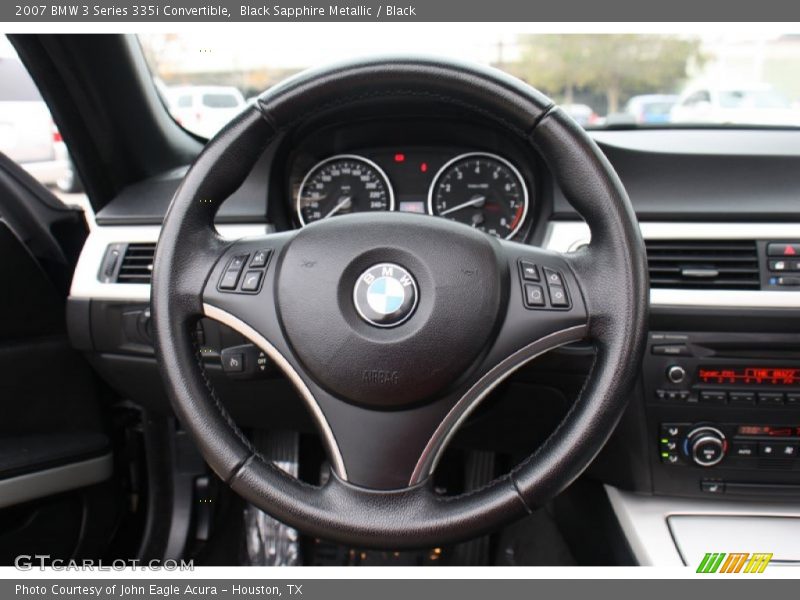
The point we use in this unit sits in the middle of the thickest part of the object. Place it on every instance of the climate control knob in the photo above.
(706, 446)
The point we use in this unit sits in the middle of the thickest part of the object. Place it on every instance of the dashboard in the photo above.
(713, 206)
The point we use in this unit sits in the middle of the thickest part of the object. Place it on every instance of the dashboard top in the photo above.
(670, 175)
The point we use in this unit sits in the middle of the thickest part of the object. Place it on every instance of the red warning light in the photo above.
(789, 251)
(399, 157)
(423, 167)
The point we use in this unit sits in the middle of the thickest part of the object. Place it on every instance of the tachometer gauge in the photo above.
(482, 190)
(340, 185)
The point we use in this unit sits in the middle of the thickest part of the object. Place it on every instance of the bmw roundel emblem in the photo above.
(385, 295)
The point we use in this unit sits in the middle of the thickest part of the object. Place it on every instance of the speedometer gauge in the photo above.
(482, 190)
(340, 185)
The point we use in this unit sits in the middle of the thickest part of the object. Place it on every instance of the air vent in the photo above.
(701, 264)
(137, 263)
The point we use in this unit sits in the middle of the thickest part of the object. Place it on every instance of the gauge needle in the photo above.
(341, 204)
(476, 201)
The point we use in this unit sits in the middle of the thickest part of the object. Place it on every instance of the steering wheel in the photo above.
(393, 327)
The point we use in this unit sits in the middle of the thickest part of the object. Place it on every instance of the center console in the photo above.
(723, 414)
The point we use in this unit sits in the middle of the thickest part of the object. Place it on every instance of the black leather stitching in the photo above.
(223, 412)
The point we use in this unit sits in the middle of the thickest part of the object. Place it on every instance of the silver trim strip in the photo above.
(23, 488)
(243, 328)
(566, 236)
(474, 396)
(85, 282)
(644, 520)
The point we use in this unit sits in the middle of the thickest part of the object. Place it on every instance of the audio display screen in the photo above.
(768, 430)
(749, 375)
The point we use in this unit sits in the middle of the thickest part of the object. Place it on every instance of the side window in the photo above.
(28, 134)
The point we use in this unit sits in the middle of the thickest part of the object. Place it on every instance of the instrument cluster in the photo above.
(481, 189)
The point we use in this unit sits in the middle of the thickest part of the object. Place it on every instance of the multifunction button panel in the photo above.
(542, 287)
(245, 274)
(730, 445)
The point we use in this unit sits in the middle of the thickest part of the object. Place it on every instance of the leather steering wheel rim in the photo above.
(609, 279)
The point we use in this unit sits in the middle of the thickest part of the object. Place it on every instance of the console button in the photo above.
(252, 281)
(676, 373)
(744, 449)
(552, 277)
(558, 297)
(707, 451)
(671, 349)
(670, 458)
(712, 487)
(785, 450)
(768, 449)
(528, 270)
(534, 295)
(770, 399)
(783, 249)
(713, 397)
(781, 265)
(742, 398)
(260, 258)
(788, 281)
(672, 430)
(669, 445)
(792, 399)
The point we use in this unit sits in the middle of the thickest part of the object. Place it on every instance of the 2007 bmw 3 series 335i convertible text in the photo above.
(298, 302)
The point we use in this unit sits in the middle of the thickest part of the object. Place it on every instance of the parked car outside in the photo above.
(204, 110)
(754, 104)
(651, 109)
(27, 132)
(582, 113)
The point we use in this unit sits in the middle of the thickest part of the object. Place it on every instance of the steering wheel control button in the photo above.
(385, 295)
(252, 281)
(230, 278)
(528, 271)
(534, 295)
(558, 296)
(552, 277)
(260, 259)
(245, 362)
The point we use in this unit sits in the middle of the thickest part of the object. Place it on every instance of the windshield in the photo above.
(602, 80)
